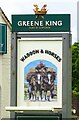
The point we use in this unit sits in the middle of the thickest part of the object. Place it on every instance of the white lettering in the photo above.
(19, 23)
(28, 23)
(41, 23)
(47, 23)
(24, 23)
(54, 23)
(60, 23)
(36, 23)
(32, 24)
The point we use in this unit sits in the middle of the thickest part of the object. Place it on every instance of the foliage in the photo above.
(75, 68)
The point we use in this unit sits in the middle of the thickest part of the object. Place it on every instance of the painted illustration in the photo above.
(40, 81)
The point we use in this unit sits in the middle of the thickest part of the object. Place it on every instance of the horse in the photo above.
(48, 82)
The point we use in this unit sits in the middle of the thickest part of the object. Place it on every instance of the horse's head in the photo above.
(51, 75)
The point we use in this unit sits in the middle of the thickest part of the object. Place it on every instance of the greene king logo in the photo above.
(40, 24)
(41, 11)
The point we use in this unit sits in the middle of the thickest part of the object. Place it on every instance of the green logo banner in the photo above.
(3, 38)
(49, 23)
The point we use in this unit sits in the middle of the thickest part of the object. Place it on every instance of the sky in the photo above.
(11, 7)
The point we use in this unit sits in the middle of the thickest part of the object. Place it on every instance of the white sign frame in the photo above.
(56, 47)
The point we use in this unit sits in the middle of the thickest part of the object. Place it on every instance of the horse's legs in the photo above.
(29, 95)
(45, 94)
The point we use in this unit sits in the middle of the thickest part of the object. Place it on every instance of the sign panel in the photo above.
(47, 23)
(38, 118)
(3, 38)
(39, 73)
